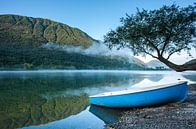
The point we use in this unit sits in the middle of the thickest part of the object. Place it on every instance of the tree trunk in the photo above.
(178, 68)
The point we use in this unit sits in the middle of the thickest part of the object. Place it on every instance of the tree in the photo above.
(159, 33)
(28, 66)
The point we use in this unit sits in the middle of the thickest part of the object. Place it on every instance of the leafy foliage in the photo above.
(159, 33)
(148, 31)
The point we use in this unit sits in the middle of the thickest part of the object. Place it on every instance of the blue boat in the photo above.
(138, 97)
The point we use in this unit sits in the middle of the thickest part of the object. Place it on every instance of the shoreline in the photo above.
(173, 115)
(42, 69)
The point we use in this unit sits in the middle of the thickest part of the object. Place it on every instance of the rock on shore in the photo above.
(174, 115)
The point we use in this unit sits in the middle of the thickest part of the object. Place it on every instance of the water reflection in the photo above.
(30, 99)
(83, 120)
(37, 98)
(108, 115)
(190, 76)
(93, 117)
(155, 77)
(34, 110)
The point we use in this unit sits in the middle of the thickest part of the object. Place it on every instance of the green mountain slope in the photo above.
(22, 41)
(191, 61)
(155, 64)
(36, 31)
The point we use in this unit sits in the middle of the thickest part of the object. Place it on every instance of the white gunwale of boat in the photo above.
(136, 90)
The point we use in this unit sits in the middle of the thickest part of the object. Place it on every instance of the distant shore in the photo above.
(36, 69)
(174, 115)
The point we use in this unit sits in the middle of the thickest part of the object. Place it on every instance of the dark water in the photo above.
(59, 99)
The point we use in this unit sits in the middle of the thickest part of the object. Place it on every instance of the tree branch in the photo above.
(150, 54)
(152, 44)
(163, 49)
(165, 44)
(170, 55)
(141, 49)
(174, 52)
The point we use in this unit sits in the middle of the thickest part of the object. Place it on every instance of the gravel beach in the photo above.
(173, 115)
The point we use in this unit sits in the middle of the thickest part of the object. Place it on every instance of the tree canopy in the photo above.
(159, 33)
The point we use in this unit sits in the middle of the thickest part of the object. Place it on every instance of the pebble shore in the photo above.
(169, 116)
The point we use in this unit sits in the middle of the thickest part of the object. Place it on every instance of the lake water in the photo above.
(58, 99)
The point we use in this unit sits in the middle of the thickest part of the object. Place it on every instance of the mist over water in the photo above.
(96, 49)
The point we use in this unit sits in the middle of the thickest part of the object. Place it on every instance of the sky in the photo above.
(95, 17)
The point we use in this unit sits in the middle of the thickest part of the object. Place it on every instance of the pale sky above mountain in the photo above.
(95, 17)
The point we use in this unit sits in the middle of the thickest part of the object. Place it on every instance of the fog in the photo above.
(96, 49)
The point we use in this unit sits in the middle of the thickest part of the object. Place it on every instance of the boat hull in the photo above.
(176, 93)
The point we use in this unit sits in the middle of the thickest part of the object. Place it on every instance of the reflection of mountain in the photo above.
(190, 77)
(23, 105)
(23, 102)
(155, 78)
(33, 110)
(108, 115)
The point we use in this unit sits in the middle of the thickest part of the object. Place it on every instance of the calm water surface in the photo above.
(58, 99)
